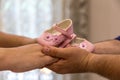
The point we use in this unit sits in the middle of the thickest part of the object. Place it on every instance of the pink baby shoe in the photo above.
(83, 44)
(58, 35)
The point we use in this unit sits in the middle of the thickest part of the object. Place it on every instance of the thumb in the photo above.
(54, 52)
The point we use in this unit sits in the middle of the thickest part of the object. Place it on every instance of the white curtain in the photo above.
(32, 17)
(29, 18)
(26, 17)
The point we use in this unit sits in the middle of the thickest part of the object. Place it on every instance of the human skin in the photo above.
(76, 60)
(107, 47)
(20, 54)
(11, 40)
(24, 58)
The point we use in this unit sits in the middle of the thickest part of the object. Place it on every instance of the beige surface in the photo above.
(104, 19)
(104, 22)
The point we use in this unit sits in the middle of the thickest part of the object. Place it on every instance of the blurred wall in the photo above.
(104, 19)
(104, 22)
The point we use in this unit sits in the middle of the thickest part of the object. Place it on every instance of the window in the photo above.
(26, 17)
(29, 18)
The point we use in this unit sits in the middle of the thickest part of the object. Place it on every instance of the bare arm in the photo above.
(10, 40)
(107, 47)
(105, 65)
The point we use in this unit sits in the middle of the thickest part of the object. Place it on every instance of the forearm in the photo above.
(105, 65)
(9, 40)
(107, 47)
(4, 63)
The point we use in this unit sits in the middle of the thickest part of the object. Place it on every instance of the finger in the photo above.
(54, 52)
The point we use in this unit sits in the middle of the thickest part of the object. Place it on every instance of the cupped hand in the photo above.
(71, 59)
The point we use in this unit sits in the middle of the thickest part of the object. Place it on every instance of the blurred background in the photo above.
(95, 20)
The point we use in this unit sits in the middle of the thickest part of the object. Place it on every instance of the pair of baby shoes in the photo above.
(61, 35)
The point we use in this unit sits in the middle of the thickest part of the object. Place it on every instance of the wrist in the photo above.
(96, 63)
(91, 63)
(4, 52)
(10, 59)
(87, 63)
(28, 41)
